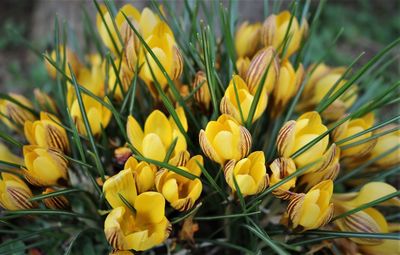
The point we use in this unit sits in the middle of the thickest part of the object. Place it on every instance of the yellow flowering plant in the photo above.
(167, 134)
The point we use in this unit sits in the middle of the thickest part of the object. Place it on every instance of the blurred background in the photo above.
(368, 25)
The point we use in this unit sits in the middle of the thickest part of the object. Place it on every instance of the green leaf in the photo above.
(55, 194)
(87, 125)
(228, 216)
(264, 237)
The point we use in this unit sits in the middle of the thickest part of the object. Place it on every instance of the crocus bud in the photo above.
(158, 134)
(247, 39)
(45, 101)
(47, 133)
(125, 76)
(224, 139)
(274, 30)
(14, 193)
(313, 209)
(122, 154)
(319, 84)
(164, 47)
(108, 32)
(286, 87)
(45, 167)
(12, 114)
(250, 174)
(385, 143)
(139, 230)
(71, 59)
(352, 127)
(143, 173)
(202, 96)
(238, 99)
(120, 188)
(98, 115)
(180, 191)
(56, 202)
(369, 220)
(92, 78)
(242, 65)
(282, 168)
(264, 60)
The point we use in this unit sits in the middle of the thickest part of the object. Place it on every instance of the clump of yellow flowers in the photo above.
(202, 142)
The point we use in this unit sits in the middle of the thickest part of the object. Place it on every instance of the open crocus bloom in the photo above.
(295, 134)
(158, 134)
(237, 101)
(47, 133)
(180, 191)
(139, 230)
(143, 173)
(250, 174)
(224, 139)
(313, 209)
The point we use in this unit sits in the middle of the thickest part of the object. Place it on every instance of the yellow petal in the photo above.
(158, 124)
(135, 133)
(150, 207)
(122, 184)
(153, 148)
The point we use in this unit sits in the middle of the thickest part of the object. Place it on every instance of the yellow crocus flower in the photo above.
(45, 167)
(202, 96)
(139, 230)
(282, 168)
(312, 209)
(295, 134)
(242, 65)
(238, 99)
(180, 191)
(352, 127)
(385, 143)
(71, 59)
(287, 85)
(56, 202)
(47, 132)
(45, 101)
(263, 60)
(120, 187)
(92, 77)
(14, 193)
(158, 134)
(164, 47)
(125, 77)
(319, 84)
(275, 28)
(12, 114)
(107, 30)
(98, 115)
(247, 39)
(250, 174)
(225, 139)
(327, 169)
(369, 220)
(143, 173)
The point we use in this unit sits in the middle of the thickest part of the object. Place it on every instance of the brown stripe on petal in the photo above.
(20, 198)
(268, 30)
(245, 141)
(177, 65)
(283, 136)
(294, 208)
(206, 146)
